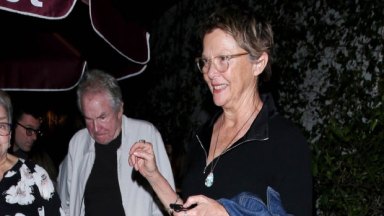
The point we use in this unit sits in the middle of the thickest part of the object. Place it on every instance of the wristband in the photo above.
(170, 210)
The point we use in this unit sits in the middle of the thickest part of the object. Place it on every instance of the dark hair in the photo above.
(252, 33)
(30, 109)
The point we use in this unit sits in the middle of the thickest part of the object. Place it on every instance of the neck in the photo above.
(6, 162)
(14, 147)
(3, 160)
(4, 165)
(235, 117)
(229, 129)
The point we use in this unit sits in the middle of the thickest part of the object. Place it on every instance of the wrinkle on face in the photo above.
(235, 85)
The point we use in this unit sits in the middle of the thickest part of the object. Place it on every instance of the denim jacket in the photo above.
(248, 204)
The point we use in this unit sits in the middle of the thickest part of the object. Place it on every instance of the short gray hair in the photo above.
(5, 101)
(252, 33)
(99, 81)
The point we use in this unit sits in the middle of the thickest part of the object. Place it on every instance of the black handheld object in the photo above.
(179, 207)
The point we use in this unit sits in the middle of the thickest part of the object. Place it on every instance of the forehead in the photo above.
(29, 120)
(3, 113)
(96, 103)
(219, 41)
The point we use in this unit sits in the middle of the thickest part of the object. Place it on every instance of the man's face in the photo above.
(102, 121)
(26, 132)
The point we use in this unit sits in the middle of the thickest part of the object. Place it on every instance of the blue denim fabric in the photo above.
(248, 204)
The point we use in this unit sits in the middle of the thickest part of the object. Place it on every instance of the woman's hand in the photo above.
(205, 207)
(142, 158)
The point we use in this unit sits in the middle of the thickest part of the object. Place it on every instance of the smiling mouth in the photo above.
(219, 87)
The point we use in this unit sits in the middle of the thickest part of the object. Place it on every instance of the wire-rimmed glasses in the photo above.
(220, 62)
(30, 131)
(5, 129)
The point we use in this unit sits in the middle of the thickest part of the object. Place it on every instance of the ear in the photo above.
(121, 110)
(259, 64)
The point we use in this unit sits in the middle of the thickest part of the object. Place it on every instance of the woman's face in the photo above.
(4, 140)
(234, 86)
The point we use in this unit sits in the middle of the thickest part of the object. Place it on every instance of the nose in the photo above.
(211, 70)
(95, 126)
(34, 136)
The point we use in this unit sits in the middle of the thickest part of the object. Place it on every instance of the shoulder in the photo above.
(82, 136)
(287, 137)
(280, 122)
(27, 164)
(40, 178)
(278, 125)
(138, 124)
(136, 129)
(32, 167)
(284, 127)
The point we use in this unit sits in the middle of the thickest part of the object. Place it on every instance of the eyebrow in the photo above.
(28, 126)
(99, 116)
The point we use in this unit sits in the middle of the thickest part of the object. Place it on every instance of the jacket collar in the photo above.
(257, 131)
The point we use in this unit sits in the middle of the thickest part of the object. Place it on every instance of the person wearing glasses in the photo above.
(26, 131)
(25, 188)
(95, 178)
(247, 146)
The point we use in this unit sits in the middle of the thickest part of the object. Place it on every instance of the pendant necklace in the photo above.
(210, 178)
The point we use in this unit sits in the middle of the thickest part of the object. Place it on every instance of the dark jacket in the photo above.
(273, 153)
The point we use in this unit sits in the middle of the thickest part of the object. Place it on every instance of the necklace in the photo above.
(210, 178)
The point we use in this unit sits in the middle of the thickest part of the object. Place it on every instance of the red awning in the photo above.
(38, 62)
(47, 46)
(52, 9)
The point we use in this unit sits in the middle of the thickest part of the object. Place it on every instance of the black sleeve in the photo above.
(295, 178)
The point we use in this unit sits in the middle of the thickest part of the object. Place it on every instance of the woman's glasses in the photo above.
(5, 129)
(220, 62)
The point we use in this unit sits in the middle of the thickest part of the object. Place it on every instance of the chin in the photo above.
(218, 102)
(103, 141)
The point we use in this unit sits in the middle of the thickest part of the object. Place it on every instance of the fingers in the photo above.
(142, 158)
(182, 213)
(141, 145)
(193, 200)
(141, 149)
(205, 206)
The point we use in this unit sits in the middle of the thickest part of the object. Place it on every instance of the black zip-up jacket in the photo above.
(272, 153)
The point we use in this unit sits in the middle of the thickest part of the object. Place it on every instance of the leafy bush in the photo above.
(348, 167)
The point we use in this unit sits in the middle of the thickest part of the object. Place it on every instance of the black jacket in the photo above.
(273, 153)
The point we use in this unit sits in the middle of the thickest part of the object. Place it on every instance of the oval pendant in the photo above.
(209, 180)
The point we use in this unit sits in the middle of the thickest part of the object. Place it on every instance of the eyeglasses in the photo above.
(5, 129)
(30, 131)
(220, 62)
